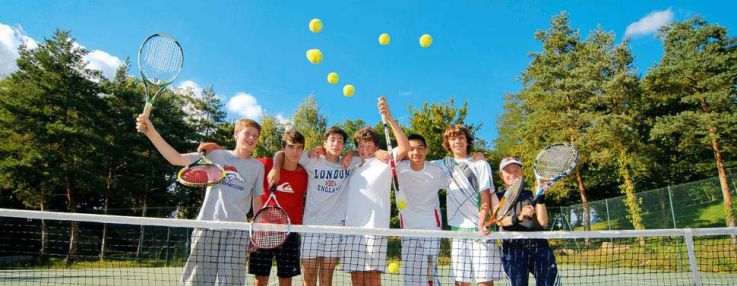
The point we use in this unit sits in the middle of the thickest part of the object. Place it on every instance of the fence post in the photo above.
(692, 257)
(672, 212)
(608, 222)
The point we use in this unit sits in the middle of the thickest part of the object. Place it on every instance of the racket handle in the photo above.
(147, 109)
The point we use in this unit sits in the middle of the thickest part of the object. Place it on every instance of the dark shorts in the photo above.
(287, 259)
(524, 256)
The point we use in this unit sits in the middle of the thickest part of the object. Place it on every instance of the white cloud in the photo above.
(190, 86)
(283, 120)
(10, 39)
(650, 23)
(245, 105)
(13, 37)
(104, 62)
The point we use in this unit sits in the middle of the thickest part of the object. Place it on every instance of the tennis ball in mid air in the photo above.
(401, 205)
(333, 78)
(393, 268)
(349, 90)
(315, 26)
(425, 40)
(314, 56)
(384, 39)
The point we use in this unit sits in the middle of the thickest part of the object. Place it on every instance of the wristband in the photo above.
(540, 200)
(514, 219)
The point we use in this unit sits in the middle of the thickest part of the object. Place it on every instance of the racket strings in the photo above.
(555, 161)
(161, 59)
(270, 237)
(201, 175)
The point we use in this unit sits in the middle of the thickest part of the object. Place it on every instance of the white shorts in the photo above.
(316, 245)
(476, 259)
(217, 254)
(364, 253)
(417, 256)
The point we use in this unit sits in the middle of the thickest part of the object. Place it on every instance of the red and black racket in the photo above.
(271, 225)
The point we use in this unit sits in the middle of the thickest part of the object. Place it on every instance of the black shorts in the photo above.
(287, 259)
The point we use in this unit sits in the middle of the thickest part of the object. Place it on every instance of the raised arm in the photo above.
(402, 142)
(144, 125)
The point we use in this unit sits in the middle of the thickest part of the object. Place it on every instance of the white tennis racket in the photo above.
(160, 60)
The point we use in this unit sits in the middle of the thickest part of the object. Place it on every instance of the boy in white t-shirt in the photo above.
(220, 255)
(368, 198)
(468, 203)
(419, 208)
(324, 205)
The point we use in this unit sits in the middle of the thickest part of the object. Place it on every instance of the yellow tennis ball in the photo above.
(384, 39)
(333, 78)
(349, 90)
(425, 40)
(315, 25)
(401, 205)
(393, 268)
(314, 56)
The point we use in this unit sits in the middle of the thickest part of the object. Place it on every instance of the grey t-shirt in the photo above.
(231, 200)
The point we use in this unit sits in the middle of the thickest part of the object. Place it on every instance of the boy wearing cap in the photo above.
(523, 256)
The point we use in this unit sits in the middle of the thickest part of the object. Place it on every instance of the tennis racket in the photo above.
(552, 164)
(201, 173)
(401, 203)
(265, 236)
(507, 201)
(160, 60)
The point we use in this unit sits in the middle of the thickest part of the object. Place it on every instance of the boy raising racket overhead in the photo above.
(220, 255)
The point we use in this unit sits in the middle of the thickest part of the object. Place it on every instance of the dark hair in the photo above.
(417, 137)
(457, 130)
(292, 136)
(334, 130)
(366, 134)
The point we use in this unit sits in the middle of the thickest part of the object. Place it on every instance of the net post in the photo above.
(608, 221)
(672, 212)
(688, 235)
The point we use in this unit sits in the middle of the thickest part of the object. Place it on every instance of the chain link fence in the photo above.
(693, 205)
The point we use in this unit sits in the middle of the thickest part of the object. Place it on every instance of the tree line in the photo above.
(70, 142)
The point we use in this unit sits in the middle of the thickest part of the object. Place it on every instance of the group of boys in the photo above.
(318, 187)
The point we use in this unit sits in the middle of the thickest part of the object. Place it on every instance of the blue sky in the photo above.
(253, 52)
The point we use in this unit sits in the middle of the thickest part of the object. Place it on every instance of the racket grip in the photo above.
(147, 109)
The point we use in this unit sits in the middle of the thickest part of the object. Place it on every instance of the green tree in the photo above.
(696, 79)
(553, 105)
(308, 121)
(616, 133)
(350, 127)
(269, 142)
(52, 104)
(431, 120)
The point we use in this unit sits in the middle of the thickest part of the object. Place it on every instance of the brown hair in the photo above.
(457, 130)
(334, 130)
(292, 136)
(243, 123)
(366, 134)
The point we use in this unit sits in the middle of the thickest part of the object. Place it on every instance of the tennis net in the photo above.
(51, 248)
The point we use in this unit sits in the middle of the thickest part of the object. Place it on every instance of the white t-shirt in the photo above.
(420, 192)
(368, 197)
(231, 200)
(463, 205)
(326, 184)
